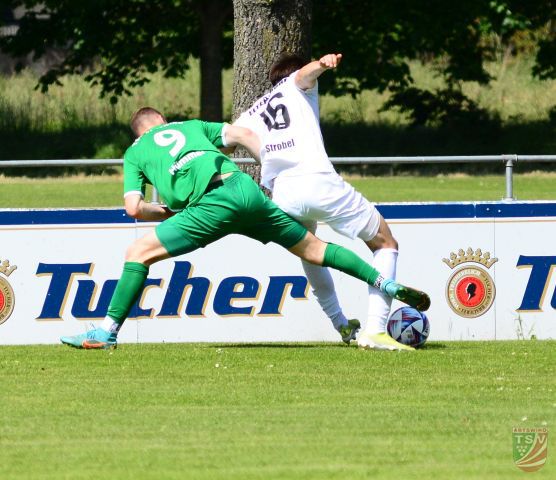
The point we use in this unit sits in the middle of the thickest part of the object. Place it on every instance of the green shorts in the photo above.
(233, 205)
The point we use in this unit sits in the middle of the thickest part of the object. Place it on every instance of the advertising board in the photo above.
(488, 268)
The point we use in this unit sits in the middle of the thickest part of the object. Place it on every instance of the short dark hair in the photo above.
(141, 115)
(284, 65)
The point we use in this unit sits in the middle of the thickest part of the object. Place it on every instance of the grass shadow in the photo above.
(434, 346)
(342, 140)
(88, 142)
(279, 345)
(488, 138)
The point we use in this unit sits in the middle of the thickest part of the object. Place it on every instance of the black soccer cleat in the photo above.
(414, 298)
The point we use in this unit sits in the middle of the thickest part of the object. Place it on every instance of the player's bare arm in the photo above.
(137, 208)
(243, 136)
(306, 77)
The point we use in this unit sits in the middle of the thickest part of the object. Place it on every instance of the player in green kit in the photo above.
(207, 197)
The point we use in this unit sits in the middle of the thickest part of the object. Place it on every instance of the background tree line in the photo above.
(118, 43)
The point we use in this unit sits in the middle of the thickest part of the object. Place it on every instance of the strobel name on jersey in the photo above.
(275, 147)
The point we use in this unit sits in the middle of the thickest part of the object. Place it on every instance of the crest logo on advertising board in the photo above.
(7, 299)
(530, 448)
(470, 290)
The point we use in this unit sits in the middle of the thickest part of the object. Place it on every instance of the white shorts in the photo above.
(326, 197)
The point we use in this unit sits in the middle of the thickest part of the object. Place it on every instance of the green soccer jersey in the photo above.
(178, 159)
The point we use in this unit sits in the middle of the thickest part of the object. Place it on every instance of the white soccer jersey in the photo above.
(287, 122)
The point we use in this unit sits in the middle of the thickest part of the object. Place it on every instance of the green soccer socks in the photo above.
(128, 289)
(348, 262)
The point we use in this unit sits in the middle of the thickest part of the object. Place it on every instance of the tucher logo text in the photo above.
(229, 292)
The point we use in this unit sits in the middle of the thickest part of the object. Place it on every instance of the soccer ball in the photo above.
(409, 326)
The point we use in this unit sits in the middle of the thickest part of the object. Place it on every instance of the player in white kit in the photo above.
(296, 169)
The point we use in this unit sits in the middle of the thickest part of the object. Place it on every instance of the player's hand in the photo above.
(331, 60)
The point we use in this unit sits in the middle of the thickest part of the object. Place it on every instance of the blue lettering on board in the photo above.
(541, 268)
(88, 302)
(228, 292)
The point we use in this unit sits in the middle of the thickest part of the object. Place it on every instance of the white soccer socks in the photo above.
(323, 289)
(385, 260)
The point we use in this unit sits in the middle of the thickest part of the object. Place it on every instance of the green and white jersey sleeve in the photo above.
(178, 159)
(134, 178)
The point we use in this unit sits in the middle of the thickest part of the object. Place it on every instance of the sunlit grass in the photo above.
(273, 412)
(106, 190)
(458, 187)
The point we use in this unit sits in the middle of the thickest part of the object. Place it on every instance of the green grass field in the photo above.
(273, 411)
(106, 191)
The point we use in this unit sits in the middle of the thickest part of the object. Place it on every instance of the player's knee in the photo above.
(312, 257)
(135, 253)
(310, 249)
(130, 254)
(380, 242)
(391, 243)
(314, 253)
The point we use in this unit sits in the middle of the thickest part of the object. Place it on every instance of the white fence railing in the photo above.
(508, 160)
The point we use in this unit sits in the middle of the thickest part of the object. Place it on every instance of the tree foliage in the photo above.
(119, 42)
(379, 38)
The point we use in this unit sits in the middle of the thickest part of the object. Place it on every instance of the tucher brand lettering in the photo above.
(60, 299)
(539, 278)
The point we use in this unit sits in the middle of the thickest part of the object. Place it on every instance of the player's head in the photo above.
(144, 119)
(284, 65)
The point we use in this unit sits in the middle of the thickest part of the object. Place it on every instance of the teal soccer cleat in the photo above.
(93, 339)
(349, 330)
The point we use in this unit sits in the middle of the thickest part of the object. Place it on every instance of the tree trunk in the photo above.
(213, 15)
(262, 30)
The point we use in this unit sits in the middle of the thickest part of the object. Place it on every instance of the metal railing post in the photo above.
(155, 198)
(510, 159)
